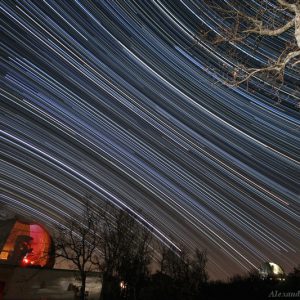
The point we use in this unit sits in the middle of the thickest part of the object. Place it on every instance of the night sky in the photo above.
(114, 99)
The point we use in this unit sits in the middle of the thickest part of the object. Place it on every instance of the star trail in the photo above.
(116, 100)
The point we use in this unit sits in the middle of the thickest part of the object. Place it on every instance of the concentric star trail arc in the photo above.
(116, 99)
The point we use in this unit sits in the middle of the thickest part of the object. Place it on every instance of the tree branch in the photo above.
(289, 6)
(278, 67)
(259, 29)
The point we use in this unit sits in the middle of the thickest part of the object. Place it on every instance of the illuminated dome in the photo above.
(25, 244)
(271, 270)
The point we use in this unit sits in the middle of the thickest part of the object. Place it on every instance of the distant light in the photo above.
(122, 285)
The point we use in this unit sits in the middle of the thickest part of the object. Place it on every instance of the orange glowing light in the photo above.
(25, 261)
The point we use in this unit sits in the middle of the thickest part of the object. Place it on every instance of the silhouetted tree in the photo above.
(187, 272)
(295, 272)
(77, 241)
(126, 254)
(198, 272)
(293, 278)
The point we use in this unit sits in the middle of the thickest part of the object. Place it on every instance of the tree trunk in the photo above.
(82, 288)
(110, 288)
(104, 288)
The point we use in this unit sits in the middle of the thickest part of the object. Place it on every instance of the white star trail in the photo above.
(114, 99)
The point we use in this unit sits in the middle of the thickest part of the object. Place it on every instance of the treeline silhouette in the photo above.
(122, 249)
(252, 286)
(162, 286)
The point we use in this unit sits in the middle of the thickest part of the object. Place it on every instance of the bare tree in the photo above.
(241, 23)
(175, 264)
(188, 272)
(109, 240)
(198, 271)
(77, 241)
(127, 253)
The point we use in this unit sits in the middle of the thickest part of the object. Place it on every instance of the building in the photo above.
(271, 271)
(19, 283)
(25, 244)
(27, 266)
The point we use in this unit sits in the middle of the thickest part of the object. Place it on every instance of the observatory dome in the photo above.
(271, 270)
(25, 244)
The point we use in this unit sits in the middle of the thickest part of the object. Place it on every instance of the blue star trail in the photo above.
(115, 99)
